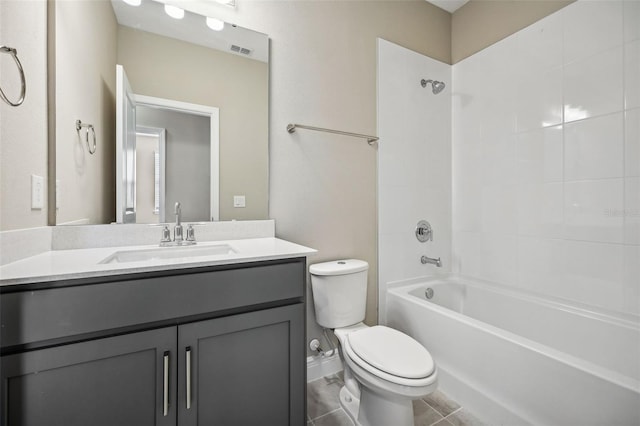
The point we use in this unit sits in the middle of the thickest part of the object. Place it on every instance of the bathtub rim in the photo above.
(623, 319)
(588, 367)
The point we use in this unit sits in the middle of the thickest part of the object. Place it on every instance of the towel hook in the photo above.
(13, 52)
(80, 125)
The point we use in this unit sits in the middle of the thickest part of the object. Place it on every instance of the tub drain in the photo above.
(428, 293)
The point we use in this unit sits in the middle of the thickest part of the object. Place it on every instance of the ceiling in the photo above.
(449, 5)
(151, 17)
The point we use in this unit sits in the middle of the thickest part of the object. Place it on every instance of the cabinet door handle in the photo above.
(165, 386)
(188, 374)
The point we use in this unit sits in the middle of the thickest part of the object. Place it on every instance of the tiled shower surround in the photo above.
(414, 165)
(546, 158)
(531, 180)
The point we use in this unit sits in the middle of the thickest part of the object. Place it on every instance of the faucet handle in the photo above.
(424, 232)
(191, 235)
(166, 235)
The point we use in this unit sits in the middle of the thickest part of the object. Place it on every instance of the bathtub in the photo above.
(514, 358)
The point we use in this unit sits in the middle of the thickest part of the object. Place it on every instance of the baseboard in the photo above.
(84, 221)
(320, 366)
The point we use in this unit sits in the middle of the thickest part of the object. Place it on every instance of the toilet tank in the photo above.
(339, 292)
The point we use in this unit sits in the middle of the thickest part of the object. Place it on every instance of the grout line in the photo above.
(326, 414)
(442, 420)
(443, 416)
(453, 412)
(434, 409)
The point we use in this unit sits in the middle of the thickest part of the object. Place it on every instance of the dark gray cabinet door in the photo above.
(111, 381)
(246, 369)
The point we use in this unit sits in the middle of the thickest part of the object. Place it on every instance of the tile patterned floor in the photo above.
(323, 407)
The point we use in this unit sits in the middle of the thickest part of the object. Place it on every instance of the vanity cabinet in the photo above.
(103, 382)
(231, 353)
(240, 372)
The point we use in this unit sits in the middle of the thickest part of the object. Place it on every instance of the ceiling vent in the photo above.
(241, 50)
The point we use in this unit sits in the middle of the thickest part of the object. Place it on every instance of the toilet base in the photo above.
(350, 404)
(376, 410)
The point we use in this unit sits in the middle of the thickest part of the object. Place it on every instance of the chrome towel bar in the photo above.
(13, 52)
(370, 139)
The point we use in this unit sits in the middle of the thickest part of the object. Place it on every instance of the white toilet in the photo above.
(384, 369)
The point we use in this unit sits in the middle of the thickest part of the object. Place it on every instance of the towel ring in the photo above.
(13, 52)
(80, 125)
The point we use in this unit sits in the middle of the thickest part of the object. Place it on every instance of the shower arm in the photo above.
(424, 82)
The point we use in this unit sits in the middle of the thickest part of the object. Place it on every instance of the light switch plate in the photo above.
(239, 201)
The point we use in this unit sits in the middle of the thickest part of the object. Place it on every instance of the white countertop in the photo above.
(59, 265)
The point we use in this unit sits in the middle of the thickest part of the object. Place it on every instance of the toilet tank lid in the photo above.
(339, 267)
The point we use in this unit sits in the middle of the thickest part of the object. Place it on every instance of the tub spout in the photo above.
(425, 260)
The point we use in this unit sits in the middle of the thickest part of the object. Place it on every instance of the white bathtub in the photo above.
(514, 358)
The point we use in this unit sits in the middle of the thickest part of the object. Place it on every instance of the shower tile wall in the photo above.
(546, 157)
(414, 164)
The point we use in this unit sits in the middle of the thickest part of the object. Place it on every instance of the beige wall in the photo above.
(323, 73)
(237, 86)
(480, 23)
(322, 187)
(23, 129)
(85, 90)
(187, 162)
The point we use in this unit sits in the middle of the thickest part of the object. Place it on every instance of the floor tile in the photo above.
(463, 418)
(443, 422)
(323, 396)
(441, 403)
(436, 409)
(423, 415)
(335, 418)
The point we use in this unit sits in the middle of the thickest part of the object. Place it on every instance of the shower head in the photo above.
(436, 86)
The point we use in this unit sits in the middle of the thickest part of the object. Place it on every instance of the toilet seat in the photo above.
(390, 355)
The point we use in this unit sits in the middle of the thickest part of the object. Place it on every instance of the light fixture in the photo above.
(215, 24)
(174, 11)
(133, 2)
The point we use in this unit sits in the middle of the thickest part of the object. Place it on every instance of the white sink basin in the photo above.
(168, 253)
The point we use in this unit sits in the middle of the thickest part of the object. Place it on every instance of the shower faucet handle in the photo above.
(424, 232)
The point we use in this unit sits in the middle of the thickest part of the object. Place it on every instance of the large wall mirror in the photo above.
(191, 126)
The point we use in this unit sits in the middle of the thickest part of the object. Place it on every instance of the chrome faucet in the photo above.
(177, 230)
(425, 260)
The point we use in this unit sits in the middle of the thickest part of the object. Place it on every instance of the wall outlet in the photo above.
(37, 192)
(239, 201)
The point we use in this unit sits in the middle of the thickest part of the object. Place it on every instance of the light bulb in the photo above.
(133, 2)
(174, 11)
(215, 24)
